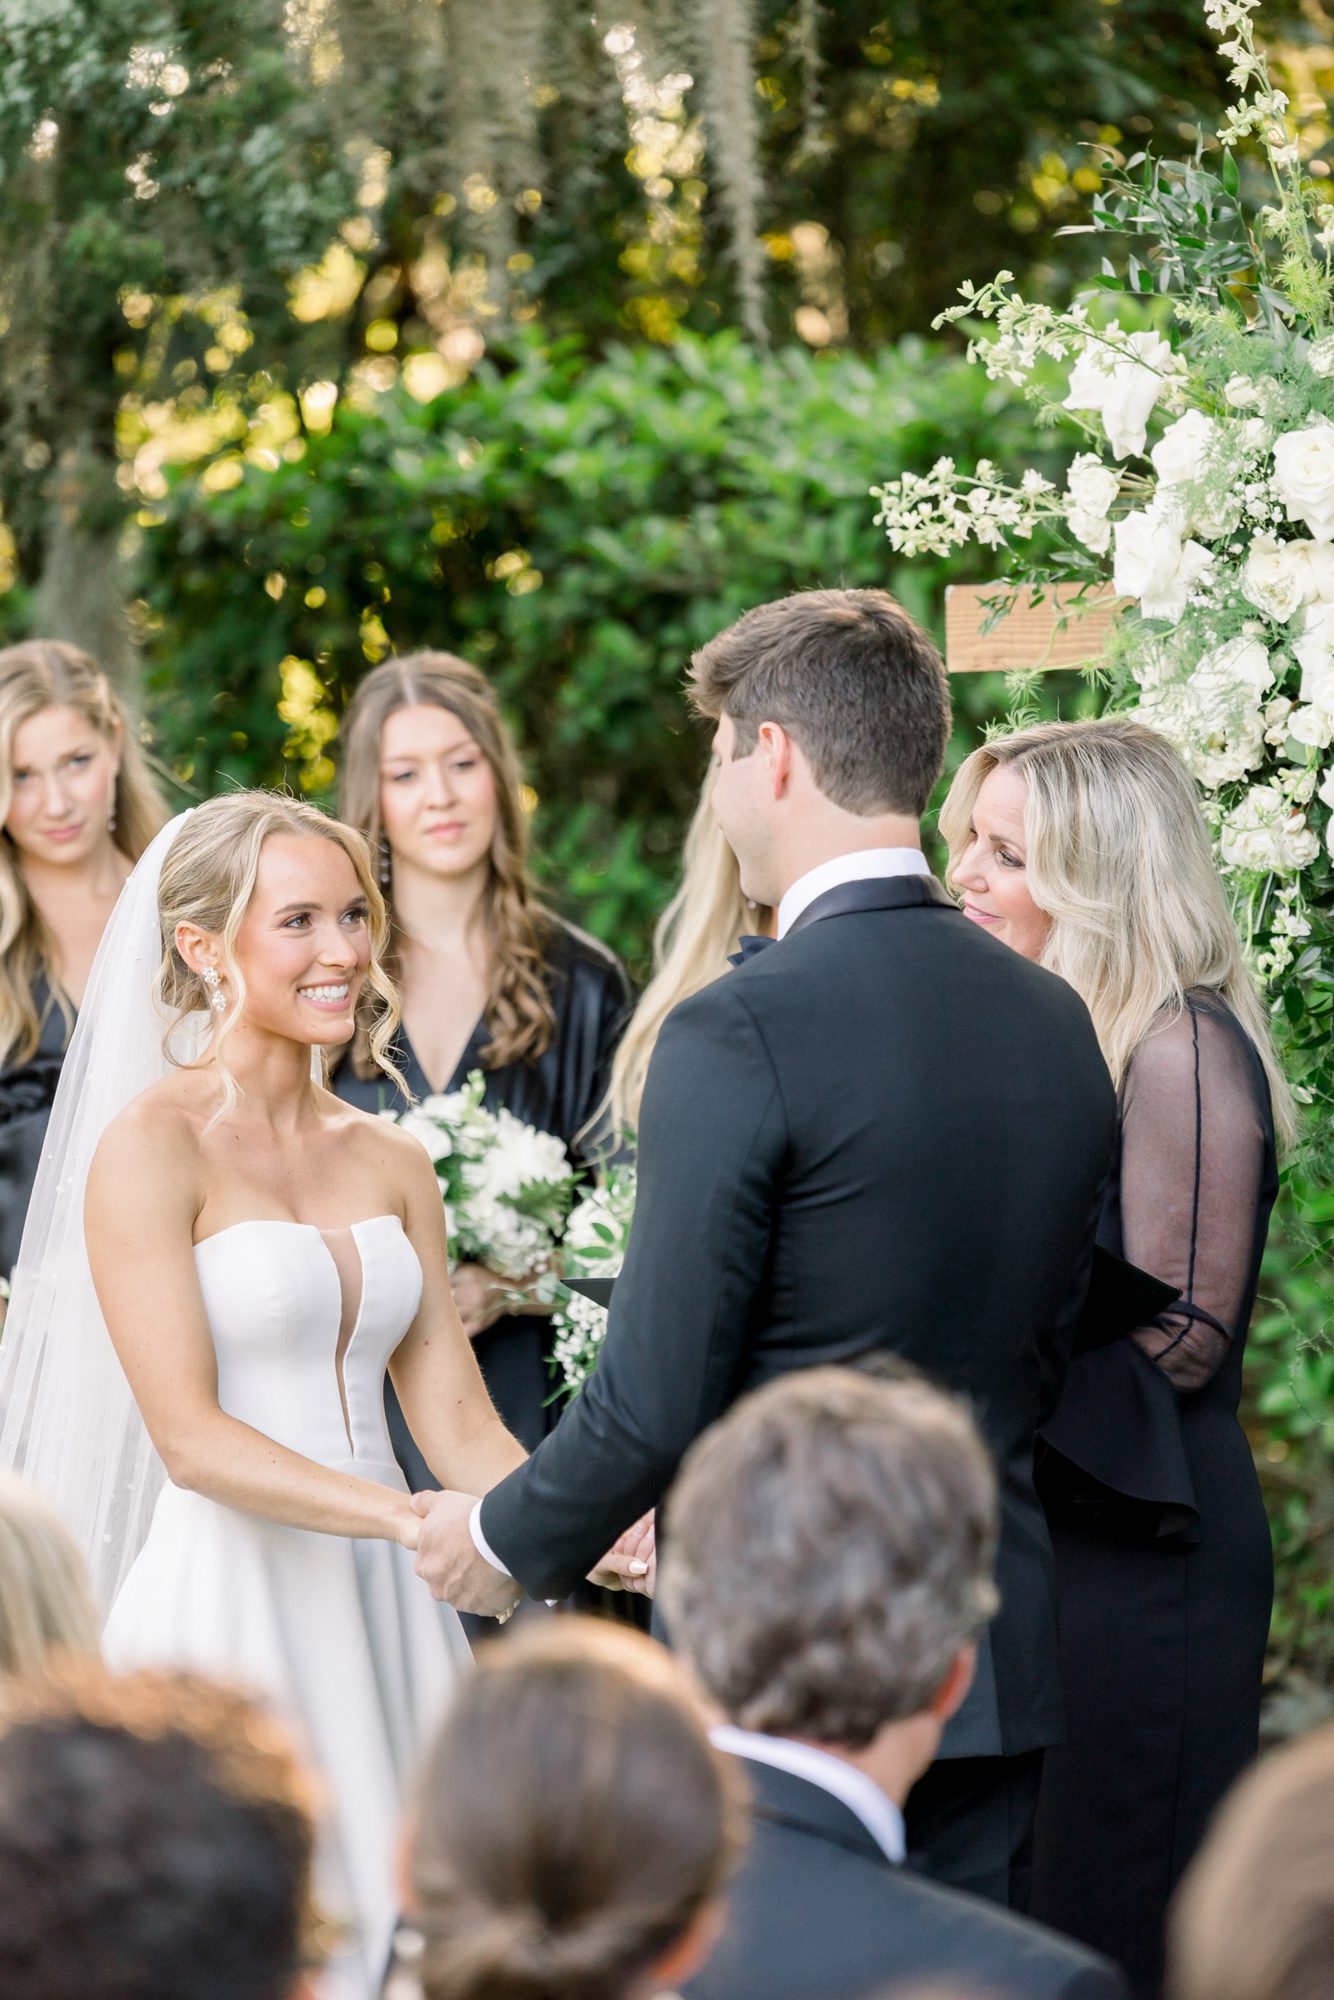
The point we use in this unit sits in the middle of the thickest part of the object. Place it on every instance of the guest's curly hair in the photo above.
(156, 1837)
(520, 1017)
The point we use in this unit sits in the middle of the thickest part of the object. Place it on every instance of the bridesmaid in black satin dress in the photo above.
(79, 809)
(490, 980)
(1083, 845)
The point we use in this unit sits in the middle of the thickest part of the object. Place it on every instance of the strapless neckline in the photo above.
(286, 1222)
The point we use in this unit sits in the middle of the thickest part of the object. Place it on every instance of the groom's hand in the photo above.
(451, 1565)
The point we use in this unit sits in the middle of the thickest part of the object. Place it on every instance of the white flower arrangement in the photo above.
(594, 1247)
(1221, 530)
(507, 1187)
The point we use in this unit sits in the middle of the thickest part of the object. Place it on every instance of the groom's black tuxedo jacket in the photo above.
(887, 1132)
(818, 1913)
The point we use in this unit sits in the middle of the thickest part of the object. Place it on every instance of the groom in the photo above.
(887, 1132)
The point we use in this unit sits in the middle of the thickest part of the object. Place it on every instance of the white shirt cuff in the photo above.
(480, 1543)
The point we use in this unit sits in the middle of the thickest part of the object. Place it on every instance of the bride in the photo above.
(259, 1254)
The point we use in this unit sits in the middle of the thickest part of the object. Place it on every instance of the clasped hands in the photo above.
(456, 1572)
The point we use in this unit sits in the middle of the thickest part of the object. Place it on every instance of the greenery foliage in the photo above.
(577, 528)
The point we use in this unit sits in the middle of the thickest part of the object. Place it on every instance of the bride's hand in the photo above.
(631, 1563)
(407, 1524)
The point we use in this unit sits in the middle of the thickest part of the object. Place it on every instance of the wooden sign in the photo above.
(1064, 630)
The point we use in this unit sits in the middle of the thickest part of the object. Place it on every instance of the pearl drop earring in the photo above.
(213, 981)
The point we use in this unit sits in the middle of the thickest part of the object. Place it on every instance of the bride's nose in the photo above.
(338, 950)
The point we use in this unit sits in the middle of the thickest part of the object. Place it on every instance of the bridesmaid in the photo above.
(696, 938)
(489, 978)
(78, 808)
(1083, 846)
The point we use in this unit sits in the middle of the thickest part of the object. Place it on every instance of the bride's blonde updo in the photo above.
(208, 879)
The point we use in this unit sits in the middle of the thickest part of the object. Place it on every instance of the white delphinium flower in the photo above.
(1091, 488)
(1304, 477)
(1121, 383)
(1264, 834)
(1180, 453)
(1153, 564)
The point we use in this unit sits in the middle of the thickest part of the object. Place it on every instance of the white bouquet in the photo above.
(506, 1186)
(594, 1247)
(1204, 492)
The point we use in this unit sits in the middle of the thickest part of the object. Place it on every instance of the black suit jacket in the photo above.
(887, 1132)
(818, 1913)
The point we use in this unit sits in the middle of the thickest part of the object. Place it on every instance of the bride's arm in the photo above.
(139, 1217)
(435, 1372)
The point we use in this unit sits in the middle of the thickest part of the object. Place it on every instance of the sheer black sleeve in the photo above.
(1193, 1151)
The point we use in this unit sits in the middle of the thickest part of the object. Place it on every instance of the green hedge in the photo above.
(576, 529)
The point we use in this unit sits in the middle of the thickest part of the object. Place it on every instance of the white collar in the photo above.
(868, 864)
(860, 1794)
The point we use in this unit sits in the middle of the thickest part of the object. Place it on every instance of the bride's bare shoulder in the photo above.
(377, 1137)
(160, 1126)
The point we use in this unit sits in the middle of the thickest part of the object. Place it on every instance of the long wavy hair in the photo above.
(46, 1603)
(691, 943)
(520, 1017)
(208, 878)
(1118, 855)
(47, 673)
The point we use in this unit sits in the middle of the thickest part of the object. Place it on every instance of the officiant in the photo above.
(490, 978)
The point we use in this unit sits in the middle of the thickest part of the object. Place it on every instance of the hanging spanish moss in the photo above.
(725, 34)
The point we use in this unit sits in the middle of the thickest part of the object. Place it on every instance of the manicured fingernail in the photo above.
(638, 1568)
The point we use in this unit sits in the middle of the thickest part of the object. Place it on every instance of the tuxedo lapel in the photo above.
(883, 892)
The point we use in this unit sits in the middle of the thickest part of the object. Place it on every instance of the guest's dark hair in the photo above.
(851, 678)
(573, 1822)
(155, 1843)
(857, 1558)
(1254, 1917)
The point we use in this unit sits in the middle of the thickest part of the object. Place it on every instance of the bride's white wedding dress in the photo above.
(339, 1636)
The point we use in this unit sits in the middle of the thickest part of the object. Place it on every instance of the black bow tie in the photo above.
(749, 947)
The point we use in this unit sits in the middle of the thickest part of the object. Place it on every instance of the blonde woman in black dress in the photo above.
(1083, 846)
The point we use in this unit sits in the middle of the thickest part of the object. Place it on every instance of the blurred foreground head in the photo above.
(1254, 1917)
(155, 1843)
(855, 1564)
(574, 1824)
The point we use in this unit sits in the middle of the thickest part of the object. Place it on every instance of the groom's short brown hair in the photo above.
(852, 679)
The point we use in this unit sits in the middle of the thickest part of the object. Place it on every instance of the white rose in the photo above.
(1312, 726)
(1276, 716)
(1179, 455)
(1315, 655)
(1255, 434)
(1270, 580)
(1122, 387)
(1326, 791)
(1091, 487)
(1265, 834)
(1312, 563)
(1240, 666)
(1152, 564)
(1304, 478)
(428, 1134)
(1240, 392)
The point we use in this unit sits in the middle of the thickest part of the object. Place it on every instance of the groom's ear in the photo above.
(776, 747)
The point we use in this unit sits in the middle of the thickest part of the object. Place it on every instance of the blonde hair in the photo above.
(46, 1605)
(694, 935)
(47, 673)
(1118, 855)
(520, 1017)
(1254, 1917)
(208, 879)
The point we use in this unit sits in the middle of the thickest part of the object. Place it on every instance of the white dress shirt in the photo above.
(851, 1787)
(868, 864)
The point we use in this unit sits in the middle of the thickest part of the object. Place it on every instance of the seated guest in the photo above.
(155, 1844)
(1254, 1917)
(828, 1574)
(46, 1606)
(574, 1826)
